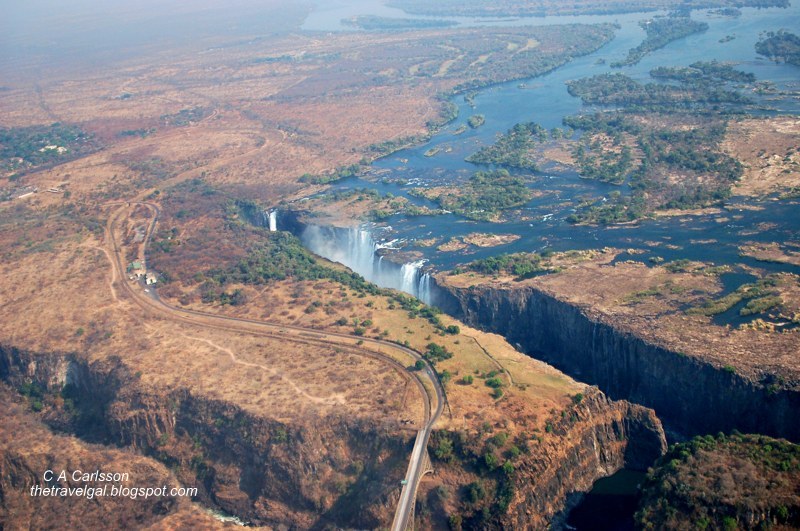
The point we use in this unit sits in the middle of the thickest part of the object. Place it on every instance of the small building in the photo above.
(136, 268)
(150, 279)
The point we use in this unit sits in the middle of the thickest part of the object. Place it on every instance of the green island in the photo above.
(376, 23)
(482, 197)
(520, 265)
(725, 482)
(476, 120)
(780, 46)
(660, 32)
(731, 12)
(697, 89)
(761, 296)
(514, 148)
(661, 131)
(703, 72)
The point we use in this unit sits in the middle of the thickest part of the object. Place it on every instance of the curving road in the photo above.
(298, 334)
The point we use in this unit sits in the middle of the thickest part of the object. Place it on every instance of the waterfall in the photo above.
(273, 220)
(409, 274)
(357, 249)
(424, 289)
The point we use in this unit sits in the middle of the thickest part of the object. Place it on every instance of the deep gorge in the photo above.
(269, 472)
(692, 397)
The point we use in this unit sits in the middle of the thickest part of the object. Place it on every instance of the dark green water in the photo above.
(610, 505)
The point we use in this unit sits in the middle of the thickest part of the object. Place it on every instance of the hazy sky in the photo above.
(102, 29)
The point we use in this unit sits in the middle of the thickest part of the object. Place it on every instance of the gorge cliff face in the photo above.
(524, 474)
(304, 472)
(688, 394)
(594, 440)
(333, 472)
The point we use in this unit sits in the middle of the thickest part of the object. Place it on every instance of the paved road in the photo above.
(151, 301)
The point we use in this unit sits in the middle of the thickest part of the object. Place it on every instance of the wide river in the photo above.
(544, 99)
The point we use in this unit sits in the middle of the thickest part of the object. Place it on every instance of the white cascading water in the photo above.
(424, 289)
(273, 220)
(356, 248)
(409, 274)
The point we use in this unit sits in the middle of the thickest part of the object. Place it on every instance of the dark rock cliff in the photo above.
(688, 394)
(594, 440)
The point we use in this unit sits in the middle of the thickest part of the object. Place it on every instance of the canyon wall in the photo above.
(597, 438)
(691, 396)
(303, 472)
(307, 473)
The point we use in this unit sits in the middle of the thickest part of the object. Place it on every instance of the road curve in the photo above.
(297, 334)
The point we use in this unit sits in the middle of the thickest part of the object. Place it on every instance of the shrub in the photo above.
(494, 383)
(475, 492)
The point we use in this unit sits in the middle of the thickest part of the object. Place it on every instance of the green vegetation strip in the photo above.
(660, 32)
(761, 297)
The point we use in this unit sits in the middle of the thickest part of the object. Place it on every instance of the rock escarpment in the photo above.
(28, 450)
(596, 439)
(527, 473)
(690, 395)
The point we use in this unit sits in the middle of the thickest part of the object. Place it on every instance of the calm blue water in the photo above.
(546, 101)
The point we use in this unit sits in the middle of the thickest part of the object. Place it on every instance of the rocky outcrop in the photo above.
(688, 394)
(305, 473)
(597, 438)
(527, 474)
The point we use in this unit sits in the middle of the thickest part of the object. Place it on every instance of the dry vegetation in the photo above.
(257, 116)
(198, 126)
(785, 253)
(534, 387)
(741, 481)
(769, 151)
(260, 374)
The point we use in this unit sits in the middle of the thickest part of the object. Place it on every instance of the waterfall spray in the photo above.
(273, 220)
(358, 250)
